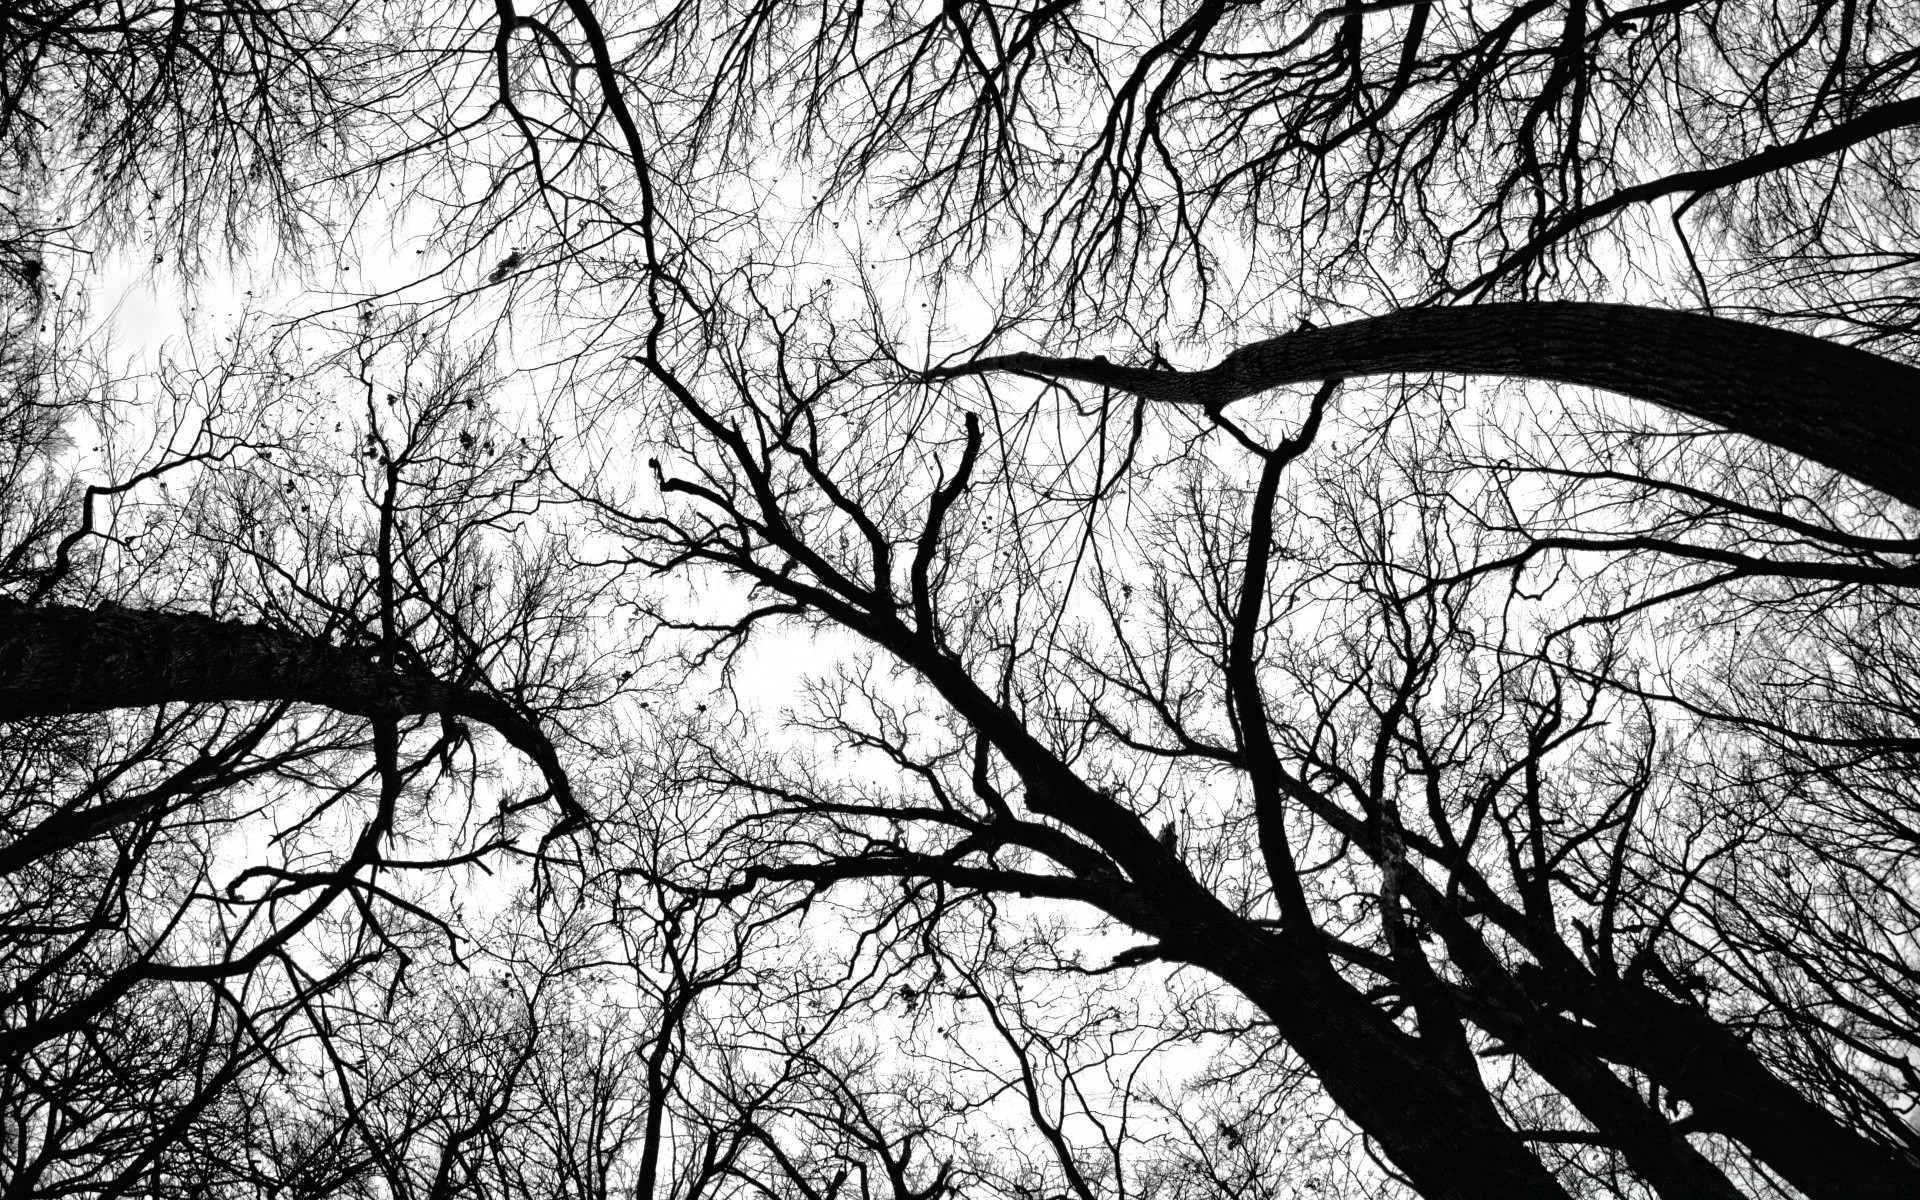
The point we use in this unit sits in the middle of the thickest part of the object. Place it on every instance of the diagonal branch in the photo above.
(1870, 124)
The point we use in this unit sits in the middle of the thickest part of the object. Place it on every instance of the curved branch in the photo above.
(62, 659)
(1843, 407)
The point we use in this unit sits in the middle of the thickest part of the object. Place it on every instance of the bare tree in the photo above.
(766, 504)
(1527, 775)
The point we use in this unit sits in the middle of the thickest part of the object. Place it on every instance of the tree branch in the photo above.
(62, 659)
(1846, 408)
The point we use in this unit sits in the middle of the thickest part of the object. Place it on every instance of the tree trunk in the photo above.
(1733, 1093)
(1845, 408)
(1848, 409)
(1441, 1131)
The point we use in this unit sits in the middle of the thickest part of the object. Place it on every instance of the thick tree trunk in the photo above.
(1655, 1151)
(1848, 409)
(60, 659)
(1733, 1093)
(1653, 1148)
(1440, 1130)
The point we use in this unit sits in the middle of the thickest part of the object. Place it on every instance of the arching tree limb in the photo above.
(1845, 408)
(61, 659)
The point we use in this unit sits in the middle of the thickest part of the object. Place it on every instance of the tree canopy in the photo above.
(1076, 599)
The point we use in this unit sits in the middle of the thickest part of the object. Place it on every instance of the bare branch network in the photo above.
(602, 598)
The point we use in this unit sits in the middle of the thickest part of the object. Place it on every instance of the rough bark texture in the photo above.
(61, 659)
(1848, 409)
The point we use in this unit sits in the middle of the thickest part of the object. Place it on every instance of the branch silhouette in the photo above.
(1846, 408)
(62, 659)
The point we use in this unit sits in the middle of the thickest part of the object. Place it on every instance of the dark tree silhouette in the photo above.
(1523, 779)
(1831, 403)
(1416, 1091)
